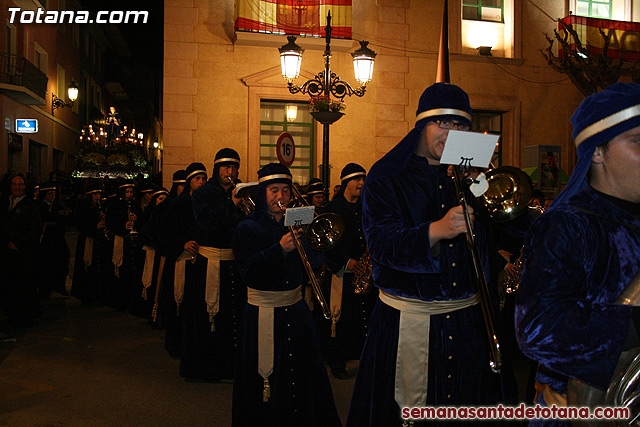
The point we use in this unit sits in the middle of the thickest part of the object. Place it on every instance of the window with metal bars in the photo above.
(294, 118)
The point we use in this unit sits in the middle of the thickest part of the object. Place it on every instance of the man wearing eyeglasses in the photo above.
(426, 344)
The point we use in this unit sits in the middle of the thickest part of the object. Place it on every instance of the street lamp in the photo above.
(326, 83)
(72, 94)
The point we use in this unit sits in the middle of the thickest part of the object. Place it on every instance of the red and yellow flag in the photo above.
(297, 17)
(624, 36)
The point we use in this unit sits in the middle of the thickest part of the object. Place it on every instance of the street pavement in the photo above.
(95, 366)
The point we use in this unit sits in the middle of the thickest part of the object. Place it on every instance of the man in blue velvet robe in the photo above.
(344, 334)
(581, 254)
(427, 344)
(280, 378)
(214, 295)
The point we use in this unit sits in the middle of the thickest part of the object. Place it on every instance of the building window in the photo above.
(11, 39)
(594, 8)
(62, 86)
(490, 122)
(274, 121)
(483, 10)
(41, 58)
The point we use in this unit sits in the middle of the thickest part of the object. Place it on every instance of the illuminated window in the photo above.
(594, 8)
(274, 121)
(483, 10)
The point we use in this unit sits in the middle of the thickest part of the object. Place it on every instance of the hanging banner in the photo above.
(297, 17)
(624, 36)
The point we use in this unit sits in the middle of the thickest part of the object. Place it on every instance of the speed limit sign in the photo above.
(286, 149)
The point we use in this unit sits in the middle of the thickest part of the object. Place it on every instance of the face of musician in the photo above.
(17, 186)
(147, 196)
(318, 200)
(161, 198)
(95, 197)
(226, 171)
(50, 196)
(432, 143)
(128, 193)
(615, 167)
(197, 182)
(353, 189)
(277, 193)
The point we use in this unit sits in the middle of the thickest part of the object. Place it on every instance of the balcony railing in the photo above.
(16, 70)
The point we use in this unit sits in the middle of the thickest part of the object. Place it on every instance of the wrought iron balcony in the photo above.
(22, 80)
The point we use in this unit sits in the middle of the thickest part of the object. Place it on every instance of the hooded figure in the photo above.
(427, 324)
(280, 378)
(214, 295)
(344, 336)
(178, 238)
(583, 252)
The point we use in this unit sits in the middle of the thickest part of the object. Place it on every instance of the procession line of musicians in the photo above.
(232, 292)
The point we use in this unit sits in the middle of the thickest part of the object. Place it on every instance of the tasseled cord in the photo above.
(144, 293)
(334, 325)
(213, 323)
(266, 391)
(154, 313)
(177, 309)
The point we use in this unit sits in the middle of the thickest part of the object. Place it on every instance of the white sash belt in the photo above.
(147, 272)
(212, 281)
(118, 253)
(87, 256)
(335, 301)
(412, 360)
(178, 278)
(266, 302)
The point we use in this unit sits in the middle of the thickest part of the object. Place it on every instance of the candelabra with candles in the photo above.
(325, 84)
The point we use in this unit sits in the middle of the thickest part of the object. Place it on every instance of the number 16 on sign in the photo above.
(286, 149)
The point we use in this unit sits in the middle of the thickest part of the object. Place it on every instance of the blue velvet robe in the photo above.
(177, 228)
(300, 389)
(576, 264)
(210, 355)
(352, 327)
(397, 213)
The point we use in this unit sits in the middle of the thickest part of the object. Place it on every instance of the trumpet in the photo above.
(246, 203)
(317, 290)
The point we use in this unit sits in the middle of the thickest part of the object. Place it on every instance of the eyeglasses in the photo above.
(450, 124)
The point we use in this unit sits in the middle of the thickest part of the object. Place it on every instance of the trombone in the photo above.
(495, 361)
(317, 290)
(325, 230)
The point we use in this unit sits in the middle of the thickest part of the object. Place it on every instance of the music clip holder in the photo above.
(297, 217)
(469, 149)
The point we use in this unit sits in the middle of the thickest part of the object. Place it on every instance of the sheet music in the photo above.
(299, 216)
(476, 147)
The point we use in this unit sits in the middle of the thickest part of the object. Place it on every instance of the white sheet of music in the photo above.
(298, 216)
(476, 147)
